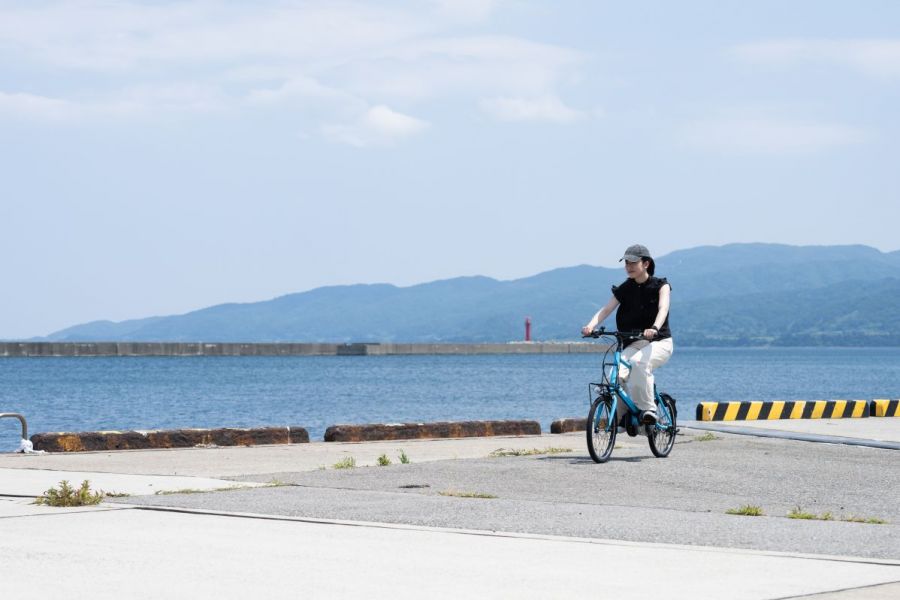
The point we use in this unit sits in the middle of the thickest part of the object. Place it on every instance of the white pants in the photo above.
(643, 356)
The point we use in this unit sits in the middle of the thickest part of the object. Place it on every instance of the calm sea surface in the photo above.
(84, 394)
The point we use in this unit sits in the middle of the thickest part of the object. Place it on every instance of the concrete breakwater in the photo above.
(87, 441)
(38, 349)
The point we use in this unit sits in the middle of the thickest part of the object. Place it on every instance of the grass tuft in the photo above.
(869, 520)
(707, 437)
(404, 459)
(174, 492)
(747, 510)
(346, 463)
(799, 513)
(275, 482)
(500, 452)
(230, 488)
(383, 460)
(66, 495)
(456, 494)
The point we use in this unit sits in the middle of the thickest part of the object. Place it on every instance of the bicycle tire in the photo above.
(662, 435)
(600, 441)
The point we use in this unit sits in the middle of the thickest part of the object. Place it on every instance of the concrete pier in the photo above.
(37, 349)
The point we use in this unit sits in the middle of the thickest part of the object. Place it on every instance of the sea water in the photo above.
(121, 393)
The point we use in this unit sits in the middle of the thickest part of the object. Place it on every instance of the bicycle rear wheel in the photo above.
(662, 435)
(601, 429)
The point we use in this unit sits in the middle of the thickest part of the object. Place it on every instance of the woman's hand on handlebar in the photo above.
(650, 334)
(586, 330)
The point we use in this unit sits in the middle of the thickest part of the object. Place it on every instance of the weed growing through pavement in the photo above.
(230, 488)
(66, 495)
(456, 494)
(404, 459)
(383, 460)
(747, 510)
(799, 513)
(174, 492)
(707, 437)
(499, 452)
(277, 483)
(869, 520)
(346, 463)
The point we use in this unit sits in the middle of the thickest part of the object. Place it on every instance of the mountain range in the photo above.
(737, 294)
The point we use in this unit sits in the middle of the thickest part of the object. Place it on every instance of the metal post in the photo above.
(20, 418)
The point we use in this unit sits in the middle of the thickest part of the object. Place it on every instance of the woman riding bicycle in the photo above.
(643, 306)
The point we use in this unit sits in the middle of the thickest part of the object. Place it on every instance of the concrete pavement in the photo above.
(236, 461)
(682, 499)
(874, 431)
(341, 533)
(149, 554)
(34, 482)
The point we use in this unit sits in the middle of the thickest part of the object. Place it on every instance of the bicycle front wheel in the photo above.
(662, 435)
(601, 429)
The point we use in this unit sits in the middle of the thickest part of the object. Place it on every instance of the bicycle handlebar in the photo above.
(620, 335)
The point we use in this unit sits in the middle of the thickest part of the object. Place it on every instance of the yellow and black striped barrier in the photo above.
(885, 408)
(783, 409)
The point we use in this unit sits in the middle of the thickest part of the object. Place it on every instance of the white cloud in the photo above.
(133, 101)
(393, 124)
(379, 125)
(168, 97)
(873, 57)
(467, 10)
(480, 66)
(763, 135)
(103, 36)
(531, 109)
(32, 106)
(327, 61)
(305, 91)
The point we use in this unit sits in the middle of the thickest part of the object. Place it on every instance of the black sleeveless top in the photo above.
(639, 305)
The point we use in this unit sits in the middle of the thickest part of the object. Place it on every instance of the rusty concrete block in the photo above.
(298, 435)
(87, 441)
(250, 437)
(178, 438)
(413, 431)
(568, 425)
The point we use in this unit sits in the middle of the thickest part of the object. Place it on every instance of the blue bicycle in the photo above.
(604, 398)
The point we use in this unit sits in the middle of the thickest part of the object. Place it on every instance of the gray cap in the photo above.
(635, 253)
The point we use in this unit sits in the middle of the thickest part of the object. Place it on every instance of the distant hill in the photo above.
(738, 294)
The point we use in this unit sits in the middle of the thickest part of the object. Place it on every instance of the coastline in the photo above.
(129, 349)
(59, 349)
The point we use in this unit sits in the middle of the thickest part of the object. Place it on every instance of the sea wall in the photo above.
(37, 349)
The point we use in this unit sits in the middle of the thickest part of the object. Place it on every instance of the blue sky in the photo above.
(159, 157)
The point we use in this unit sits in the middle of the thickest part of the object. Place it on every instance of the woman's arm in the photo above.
(600, 316)
(664, 294)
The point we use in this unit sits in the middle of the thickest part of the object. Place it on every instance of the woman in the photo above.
(643, 305)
